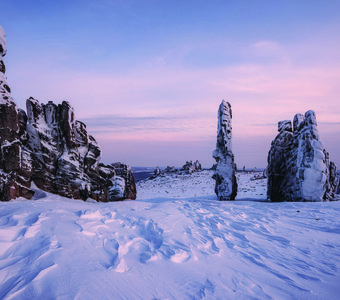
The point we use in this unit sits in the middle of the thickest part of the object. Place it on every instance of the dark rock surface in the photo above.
(226, 184)
(49, 147)
(299, 168)
(14, 163)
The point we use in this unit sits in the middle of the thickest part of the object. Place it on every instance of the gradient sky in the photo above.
(147, 76)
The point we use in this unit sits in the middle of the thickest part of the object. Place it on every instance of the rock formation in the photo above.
(169, 169)
(189, 167)
(129, 191)
(226, 184)
(49, 147)
(12, 184)
(299, 168)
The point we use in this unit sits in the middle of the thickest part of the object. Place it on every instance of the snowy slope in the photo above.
(176, 241)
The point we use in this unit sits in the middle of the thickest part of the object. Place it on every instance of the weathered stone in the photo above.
(11, 152)
(124, 171)
(226, 184)
(298, 164)
(49, 147)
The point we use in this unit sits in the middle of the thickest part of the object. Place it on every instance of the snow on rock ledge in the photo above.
(50, 148)
(226, 184)
(299, 168)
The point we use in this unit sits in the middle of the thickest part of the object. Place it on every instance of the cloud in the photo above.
(167, 100)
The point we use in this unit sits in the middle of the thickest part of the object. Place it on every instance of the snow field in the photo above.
(162, 247)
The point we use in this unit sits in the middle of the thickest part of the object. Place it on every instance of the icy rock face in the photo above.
(14, 163)
(117, 190)
(49, 147)
(226, 184)
(128, 189)
(299, 168)
(66, 158)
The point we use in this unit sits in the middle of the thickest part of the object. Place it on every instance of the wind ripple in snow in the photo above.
(168, 248)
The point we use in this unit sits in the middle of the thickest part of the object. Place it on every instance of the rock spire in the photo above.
(226, 184)
(299, 168)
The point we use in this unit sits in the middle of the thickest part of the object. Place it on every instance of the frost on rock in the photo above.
(226, 184)
(124, 171)
(299, 168)
(117, 190)
(47, 146)
(66, 156)
(14, 161)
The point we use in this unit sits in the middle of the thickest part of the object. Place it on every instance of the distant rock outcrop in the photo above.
(189, 167)
(49, 147)
(226, 184)
(169, 169)
(299, 168)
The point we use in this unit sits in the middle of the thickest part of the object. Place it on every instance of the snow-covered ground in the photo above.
(176, 241)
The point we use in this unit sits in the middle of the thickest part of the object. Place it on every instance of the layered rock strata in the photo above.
(226, 184)
(49, 147)
(299, 168)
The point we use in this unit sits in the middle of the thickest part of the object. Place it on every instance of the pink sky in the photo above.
(155, 101)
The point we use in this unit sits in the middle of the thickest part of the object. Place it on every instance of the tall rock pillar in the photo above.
(226, 184)
(10, 145)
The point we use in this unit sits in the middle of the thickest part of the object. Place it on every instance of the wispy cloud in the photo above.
(167, 99)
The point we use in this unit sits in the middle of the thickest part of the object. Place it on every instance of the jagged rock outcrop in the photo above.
(299, 168)
(66, 158)
(157, 172)
(189, 167)
(226, 184)
(49, 147)
(14, 163)
(169, 169)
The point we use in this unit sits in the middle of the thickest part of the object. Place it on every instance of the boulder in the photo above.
(226, 184)
(299, 168)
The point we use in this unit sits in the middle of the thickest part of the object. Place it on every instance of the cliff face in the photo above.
(299, 168)
(226, 184)
(49, 147)
(10, 145)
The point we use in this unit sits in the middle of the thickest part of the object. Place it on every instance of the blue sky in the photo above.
(148, 76)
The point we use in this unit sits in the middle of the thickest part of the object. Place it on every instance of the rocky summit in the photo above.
(226, 184)
(299, 168)
(47, 146)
